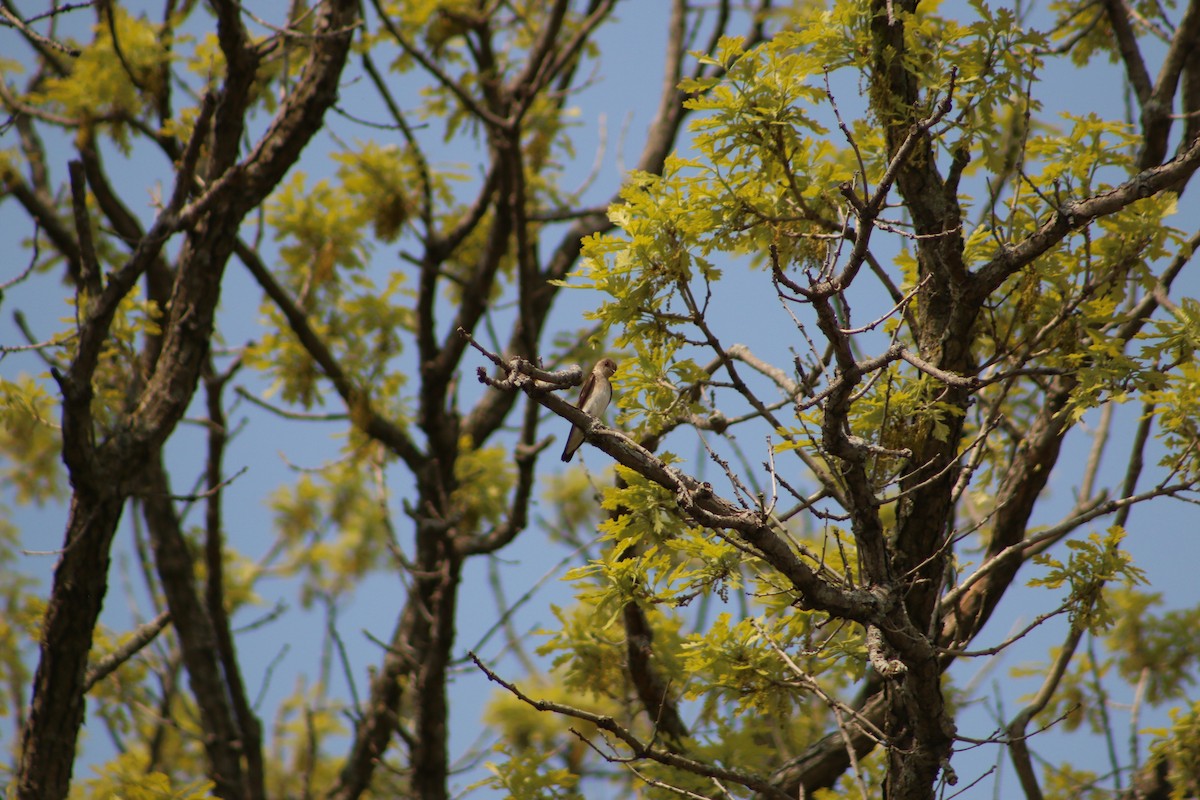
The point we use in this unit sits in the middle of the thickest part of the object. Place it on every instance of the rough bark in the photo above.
(104, 465)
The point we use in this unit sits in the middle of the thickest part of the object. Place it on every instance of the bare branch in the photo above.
(143, 635)
(639, 749)
(36, 38)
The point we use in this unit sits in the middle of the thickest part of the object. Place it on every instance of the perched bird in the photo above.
(593, 399)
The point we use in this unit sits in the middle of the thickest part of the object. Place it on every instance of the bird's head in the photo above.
(606, 367)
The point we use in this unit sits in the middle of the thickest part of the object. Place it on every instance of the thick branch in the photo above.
(699, 501)
(639, 749)
(172, 557)
(1074, 215)
(214, 590)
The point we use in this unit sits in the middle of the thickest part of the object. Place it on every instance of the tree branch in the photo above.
(1074, 215)
(143, 635)
(638, 749)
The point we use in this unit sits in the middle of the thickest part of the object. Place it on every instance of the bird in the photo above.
(593, 399)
